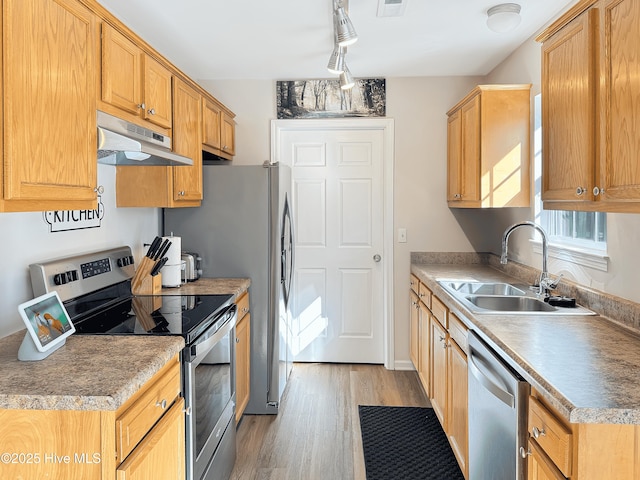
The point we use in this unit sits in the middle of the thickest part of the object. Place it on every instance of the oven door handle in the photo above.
(208, 343)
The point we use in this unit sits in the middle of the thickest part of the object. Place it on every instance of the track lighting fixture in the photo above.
(343, 34)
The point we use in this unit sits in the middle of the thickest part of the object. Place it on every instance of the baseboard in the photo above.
(403, 365)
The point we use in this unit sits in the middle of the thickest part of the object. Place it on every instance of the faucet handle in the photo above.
(546, 283)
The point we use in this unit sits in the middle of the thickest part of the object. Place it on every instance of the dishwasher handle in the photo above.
(497, 391)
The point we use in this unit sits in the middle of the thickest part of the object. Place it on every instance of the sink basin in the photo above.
(482, 288)
(496, 298)
(510, 303)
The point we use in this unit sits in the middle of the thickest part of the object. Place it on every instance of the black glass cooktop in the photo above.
(185, 315)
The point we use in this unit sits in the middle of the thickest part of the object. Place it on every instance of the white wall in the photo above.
(418, 107)
(25, 238)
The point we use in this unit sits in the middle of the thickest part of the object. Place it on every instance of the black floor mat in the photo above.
(405, 443)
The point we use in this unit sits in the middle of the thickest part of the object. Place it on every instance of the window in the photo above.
(583, 233)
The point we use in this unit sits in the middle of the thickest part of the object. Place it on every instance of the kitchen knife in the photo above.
(163, 249)
(158, 266)
(154, 247)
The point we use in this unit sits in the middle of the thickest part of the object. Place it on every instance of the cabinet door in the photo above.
(211, 117)
(187, 181)
(619, 101)
(227, 134)
(414, 329)
(439, 371)
(568, 112)
(157, 93)
(121, 71)
(243, 364)
(161, 454)
(49, 83)
(470, 167)
(458, 410)
(539, 467)
(454, 156)
(424, 365)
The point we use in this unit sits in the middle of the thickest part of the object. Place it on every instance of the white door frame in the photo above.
(387, 126)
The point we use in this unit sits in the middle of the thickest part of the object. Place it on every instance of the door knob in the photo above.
(377, 258)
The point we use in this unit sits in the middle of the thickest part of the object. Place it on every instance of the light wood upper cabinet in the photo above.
(133, 82)
(169, 187)
(488, 148)
(591, 103)
(218, 130)
(49, 108)
(187, 141)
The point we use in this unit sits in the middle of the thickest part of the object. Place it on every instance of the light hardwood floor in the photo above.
(316, 434)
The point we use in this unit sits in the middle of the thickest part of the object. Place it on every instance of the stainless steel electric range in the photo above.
(96, 290)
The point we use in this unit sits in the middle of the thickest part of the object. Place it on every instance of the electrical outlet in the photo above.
(402, 235)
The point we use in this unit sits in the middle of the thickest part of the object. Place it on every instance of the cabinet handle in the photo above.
(538, 433)
(99, 189)
(457, 196)
(598, 191)
(152, 111)
(237, 340)
(224, 147)
(181, 193)
(187, 411)
(524, 453)
(580, 191)
(162, 404)
(141, 105)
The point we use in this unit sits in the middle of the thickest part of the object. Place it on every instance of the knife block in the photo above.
(148, 285)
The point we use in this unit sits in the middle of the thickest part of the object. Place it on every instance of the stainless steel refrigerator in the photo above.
(244, 229)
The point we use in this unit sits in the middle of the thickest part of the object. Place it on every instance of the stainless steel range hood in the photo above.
(125, 143)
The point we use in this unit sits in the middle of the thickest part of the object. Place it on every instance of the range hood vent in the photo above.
(124, 143)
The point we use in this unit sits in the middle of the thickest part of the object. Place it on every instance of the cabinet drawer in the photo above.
(414, 282)
(154, 399)
(243, 305)
(425, 294)
(552, 436)
(440, 311)
(458, 331)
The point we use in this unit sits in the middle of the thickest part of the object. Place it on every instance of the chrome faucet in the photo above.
(545, 283)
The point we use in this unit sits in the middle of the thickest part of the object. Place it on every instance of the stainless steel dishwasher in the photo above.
(497, 415)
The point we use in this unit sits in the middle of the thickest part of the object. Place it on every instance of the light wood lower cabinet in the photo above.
(243, 355)
(438, 351)
(143, 439)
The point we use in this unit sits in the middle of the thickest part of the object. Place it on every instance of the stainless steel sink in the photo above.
(510, 303)
(499, 298)
(482, 288)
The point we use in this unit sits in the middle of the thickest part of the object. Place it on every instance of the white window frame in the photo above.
(586, 253)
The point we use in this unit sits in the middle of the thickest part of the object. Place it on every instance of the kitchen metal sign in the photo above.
(65, 220)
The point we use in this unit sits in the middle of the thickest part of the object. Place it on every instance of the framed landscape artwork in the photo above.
(325, 99)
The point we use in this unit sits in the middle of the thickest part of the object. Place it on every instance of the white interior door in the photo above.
(338, 204)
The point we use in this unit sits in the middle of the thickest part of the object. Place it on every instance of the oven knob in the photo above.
(60, 278)
(74, 275)
(120, 262)
(130, 260)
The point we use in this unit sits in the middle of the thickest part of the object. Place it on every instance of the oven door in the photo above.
(209, 386)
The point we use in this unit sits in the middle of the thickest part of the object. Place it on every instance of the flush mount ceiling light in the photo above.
(504, 17)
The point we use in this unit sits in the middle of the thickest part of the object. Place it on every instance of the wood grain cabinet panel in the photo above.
(439, 371)
(414, 328)
(169, 187)
(133, 82)
(49, 85)
(218, 130)
(590, 105)
(488, 148)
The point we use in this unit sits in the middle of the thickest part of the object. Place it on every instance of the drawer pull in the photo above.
(187, 411)
(162, 404)
(524, 453)
(538, 433)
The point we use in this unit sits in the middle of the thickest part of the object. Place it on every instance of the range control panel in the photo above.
(81, 274)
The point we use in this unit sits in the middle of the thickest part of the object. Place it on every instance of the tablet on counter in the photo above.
(48, 326)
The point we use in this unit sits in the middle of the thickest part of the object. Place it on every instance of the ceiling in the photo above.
(292, 39)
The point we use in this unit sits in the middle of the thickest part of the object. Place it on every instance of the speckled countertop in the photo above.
(90, 372)
(95, 372)
(211, 286)
(587, 366)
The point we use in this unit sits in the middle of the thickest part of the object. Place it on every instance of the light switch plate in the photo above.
(402, 235)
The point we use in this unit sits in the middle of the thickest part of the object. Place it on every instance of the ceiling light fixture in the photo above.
(336, 61)
(503, 18)
(345, 33)
(346, 80)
